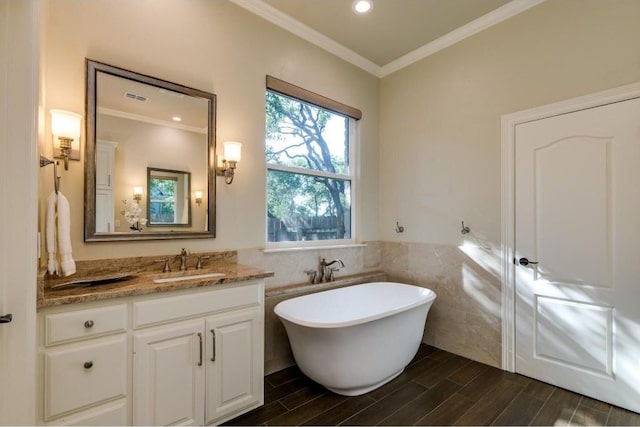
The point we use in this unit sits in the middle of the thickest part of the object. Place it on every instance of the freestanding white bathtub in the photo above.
(353, 340)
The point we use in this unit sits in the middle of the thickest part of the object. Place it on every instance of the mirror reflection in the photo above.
(146, 133)
(168, 197)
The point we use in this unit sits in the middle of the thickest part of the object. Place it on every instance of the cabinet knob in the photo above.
(88, 324)
(88, 365)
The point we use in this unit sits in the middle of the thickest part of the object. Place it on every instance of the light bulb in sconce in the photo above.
(65, 128)
(198, 197)
(137, 194)
(232, 155)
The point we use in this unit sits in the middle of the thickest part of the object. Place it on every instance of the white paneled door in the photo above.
(577, 229)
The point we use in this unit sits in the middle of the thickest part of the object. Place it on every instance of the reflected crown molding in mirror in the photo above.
(131, 127)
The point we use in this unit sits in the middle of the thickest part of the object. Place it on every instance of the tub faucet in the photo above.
(326, 271)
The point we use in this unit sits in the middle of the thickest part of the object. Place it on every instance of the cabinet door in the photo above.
(105, 154)
(168, 385)
(104, 211)
(235, 365)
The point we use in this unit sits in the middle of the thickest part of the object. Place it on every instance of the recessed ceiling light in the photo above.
(176, 119)
(362, 6)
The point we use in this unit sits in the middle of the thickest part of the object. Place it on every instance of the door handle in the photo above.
(200, 337)
(7, 318)
(524, 262)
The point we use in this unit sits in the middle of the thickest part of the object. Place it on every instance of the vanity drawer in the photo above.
(161, 310)
(80, 324)
(79, 375)
(110, 414)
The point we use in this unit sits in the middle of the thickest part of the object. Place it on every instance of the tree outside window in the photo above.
(309, 178)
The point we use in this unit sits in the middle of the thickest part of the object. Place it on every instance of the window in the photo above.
(162, 200)
(310, 165)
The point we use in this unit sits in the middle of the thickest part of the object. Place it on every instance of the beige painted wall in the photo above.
(217, 47)
(441, 127)
(440, 118)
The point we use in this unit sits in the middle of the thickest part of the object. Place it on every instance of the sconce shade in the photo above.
(65, 124)
(232, 151)
(198, 194)
(137, 193)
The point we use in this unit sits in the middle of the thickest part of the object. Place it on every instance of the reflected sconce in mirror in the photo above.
(65, 127)
(232, 155)
(198, 197)
(137, 194)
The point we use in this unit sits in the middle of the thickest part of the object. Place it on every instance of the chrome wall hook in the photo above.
(465, 229)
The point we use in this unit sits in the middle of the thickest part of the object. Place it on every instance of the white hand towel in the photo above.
(67, 264)
(50, 231)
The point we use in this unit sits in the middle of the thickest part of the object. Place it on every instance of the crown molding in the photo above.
(150, 120)
(307, 33)
(494, 17)
(273, 15)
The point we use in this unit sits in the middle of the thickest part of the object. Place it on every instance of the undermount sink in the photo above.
(94, 281)
(188, 277)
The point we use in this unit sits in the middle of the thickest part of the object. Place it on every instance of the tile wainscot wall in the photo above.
(464, 319)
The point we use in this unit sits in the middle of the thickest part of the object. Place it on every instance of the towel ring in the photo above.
(56, 178)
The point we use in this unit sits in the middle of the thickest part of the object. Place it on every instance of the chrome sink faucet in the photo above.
(183, 259)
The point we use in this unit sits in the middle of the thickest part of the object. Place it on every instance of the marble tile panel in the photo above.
(423, 260)
(465, 317)
(395, 258)
(289, 267)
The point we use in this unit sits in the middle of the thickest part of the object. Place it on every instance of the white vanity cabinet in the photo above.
(189, 357)
(84, 355)
(199, 372)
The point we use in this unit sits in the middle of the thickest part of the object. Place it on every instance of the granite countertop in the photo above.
(141, 281)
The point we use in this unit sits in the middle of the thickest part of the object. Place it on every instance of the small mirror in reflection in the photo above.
(168, 197)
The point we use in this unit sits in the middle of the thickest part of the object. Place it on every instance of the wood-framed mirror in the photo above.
(135, 124)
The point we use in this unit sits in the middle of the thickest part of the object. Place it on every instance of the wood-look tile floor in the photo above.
(437, 388)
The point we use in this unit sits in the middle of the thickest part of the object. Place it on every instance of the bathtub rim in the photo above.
(427, 299)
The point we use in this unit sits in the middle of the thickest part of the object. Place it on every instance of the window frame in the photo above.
(353, 116)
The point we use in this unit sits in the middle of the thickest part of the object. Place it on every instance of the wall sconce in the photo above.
(65, 127)
(198, 195)
(232, 155)
(137, 194)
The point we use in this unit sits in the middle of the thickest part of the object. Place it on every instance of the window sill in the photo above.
(313, 248)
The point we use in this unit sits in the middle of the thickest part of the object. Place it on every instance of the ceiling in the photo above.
(393, 34)
(392, 28)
